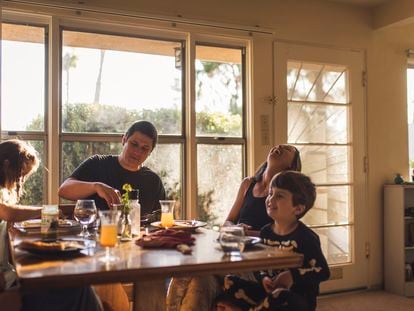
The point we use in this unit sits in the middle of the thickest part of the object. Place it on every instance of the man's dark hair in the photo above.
(299, 185)
(144, 127)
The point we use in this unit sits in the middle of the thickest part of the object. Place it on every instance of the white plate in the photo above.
(182, 224)
(35, 224)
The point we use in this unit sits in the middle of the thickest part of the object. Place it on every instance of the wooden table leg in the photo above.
(149, 295)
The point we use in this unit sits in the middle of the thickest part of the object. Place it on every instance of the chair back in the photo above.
(67, 210)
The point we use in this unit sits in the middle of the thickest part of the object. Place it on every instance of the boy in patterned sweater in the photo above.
(291, 195)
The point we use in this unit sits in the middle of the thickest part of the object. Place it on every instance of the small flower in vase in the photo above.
(125, 220)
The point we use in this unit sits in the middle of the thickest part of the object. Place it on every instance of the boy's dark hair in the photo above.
(296, 165)
(299, 185)
(144, 127)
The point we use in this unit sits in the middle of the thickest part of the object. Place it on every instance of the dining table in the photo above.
(147, 269)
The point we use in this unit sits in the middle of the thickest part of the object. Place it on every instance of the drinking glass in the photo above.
(85, 212)
(231, 239)
(167, 213)
(109, 233)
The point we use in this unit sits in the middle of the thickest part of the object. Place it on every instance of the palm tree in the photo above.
(98, 80)
(69, 61)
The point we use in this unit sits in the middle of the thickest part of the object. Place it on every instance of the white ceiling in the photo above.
(363, 3)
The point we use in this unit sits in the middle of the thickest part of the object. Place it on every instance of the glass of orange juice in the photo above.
(109, 233)
(167, 213)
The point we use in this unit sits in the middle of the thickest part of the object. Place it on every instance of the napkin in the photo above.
(166, 238)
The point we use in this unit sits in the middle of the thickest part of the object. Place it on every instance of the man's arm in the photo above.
(74, 189)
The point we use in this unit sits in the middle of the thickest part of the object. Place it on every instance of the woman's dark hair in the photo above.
(296, 165)
(299, 185)
(15, 157)
(144, 127)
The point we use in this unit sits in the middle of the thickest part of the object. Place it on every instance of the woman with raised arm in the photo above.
(249, 211)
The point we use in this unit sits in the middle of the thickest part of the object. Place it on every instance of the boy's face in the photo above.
(279, 206)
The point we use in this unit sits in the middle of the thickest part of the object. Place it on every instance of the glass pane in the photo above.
(170, 171)
(22, 77)
(219, 174)
(316, 82)
(336, 243)
(110, 81)
(74, 153)
(317, 123)
(219, 91)
(331, 206)
(326, 164)
(35, 184)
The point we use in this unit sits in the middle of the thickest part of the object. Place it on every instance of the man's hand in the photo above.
(109, 194)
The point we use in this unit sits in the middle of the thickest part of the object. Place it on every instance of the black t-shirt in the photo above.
(315, 268)
(106, 169)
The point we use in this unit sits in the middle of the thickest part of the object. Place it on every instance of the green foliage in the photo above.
(218, 123)
(204, 201)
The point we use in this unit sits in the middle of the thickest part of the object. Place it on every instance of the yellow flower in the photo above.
(126, 208)
(127, 188)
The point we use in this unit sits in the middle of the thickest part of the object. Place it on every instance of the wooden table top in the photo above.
(142, 264)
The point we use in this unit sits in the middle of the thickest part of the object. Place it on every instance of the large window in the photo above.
(109, 81)
(100, 78)
(23, 95)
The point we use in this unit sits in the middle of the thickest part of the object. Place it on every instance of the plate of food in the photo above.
(35, 224)
(58, 247)
(182, 224)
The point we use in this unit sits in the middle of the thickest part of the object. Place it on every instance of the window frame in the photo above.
(188, 35)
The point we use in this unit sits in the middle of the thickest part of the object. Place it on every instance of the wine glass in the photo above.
(85, 212)
(108, 235)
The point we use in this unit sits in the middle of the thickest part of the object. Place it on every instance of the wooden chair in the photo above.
(67, 210)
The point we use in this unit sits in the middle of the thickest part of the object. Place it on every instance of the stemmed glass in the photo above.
(108, 235)
(85, 212)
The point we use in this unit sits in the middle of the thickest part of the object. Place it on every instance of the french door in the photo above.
(320, 109)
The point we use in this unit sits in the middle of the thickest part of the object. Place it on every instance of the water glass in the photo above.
(232, 239)
(109, 233)
(85, 212)
(167, 213)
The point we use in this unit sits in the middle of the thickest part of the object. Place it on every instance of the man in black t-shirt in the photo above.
(101, 177)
